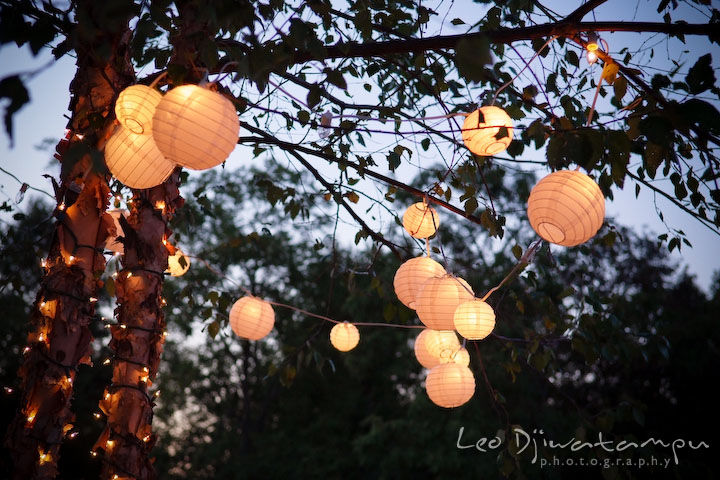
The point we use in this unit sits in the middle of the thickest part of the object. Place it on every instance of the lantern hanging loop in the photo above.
(527, 64)
(222, 70)
(158, 78)
(526, 258)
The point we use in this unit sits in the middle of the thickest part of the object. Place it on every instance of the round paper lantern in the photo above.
(174, 267)
(474, 320)
(421, 220)
(251, 318)
(438, 298)
(195, 127)
(112, 243)
(480, 137)
(411, 275)
(450, 385)
(421, 352)
(135, 108)
(135, 159)
(461, 357)
(344, 336)
(441, 344)
(566, 208)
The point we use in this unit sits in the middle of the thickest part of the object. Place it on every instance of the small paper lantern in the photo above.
(480, 137)
(421, 352)
(135, 108)
(461, 357)
(441, 344)
(450, 385)
(421, 220)
(175, 268)
(112, 243)
(411, 275)
(566, 208)
(438, 298)
(344, 336)
(135, 159)
(474, 320)
(251, 318)
(195, 127)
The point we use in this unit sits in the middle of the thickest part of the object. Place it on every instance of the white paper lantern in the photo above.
(135, 159)
(175, 269)
(112, 243)
(438, 298)
(566, 208)
(441, 344)
(461, 357)
(135, 108)
(251, 318)
(195, 127)
(474, 320)
(450, 385)
(480, 137)
(421, 220)
(421, 352)
(344, 336)
(411, 275)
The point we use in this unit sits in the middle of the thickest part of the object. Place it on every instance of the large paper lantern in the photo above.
(481, 137)
(566, 208)
(461, 356)
(474, 320)
(135, 159)
(112, 242)
(251, 318)
(344, 336)
(195, 127)
(176, 268)
(421, 220)
(438, 298)
(450, 385)
(441, 344)
(411, 275)
(421, 352)
(135, 108)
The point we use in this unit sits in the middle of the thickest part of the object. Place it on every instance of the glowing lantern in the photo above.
(251, 318)
(135, 108)
(481, 137)
(450, 385)
(566, 208)
(438, 298)
(421, 352)
(344, 336)
(112, 242)
(474, 320)
(411, 275)
(421, 220)
(461, 357)
(135, 159)
(441, 344)
(195, 127)
(176, 267)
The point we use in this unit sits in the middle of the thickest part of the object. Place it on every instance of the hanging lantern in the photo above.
(135, 108)
(474, 320)
(441, 344)
(344, 336)
(421, 352)
(195, 127)
(461, 357)
(421, 220)
(411, 275)
(566, 208)
(450, 385)
(251, 318)
(135, 160)
(178, 263)
(438, 298)
(112, 242)
(481, 137)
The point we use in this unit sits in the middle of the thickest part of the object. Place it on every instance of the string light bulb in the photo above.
(592, 42)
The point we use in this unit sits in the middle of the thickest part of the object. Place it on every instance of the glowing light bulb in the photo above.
(160, 205)
(146, 438)
(592, 56)
(93, 299)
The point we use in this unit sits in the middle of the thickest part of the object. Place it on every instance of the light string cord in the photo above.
(527, 64)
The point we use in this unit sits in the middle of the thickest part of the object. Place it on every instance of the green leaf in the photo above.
(701, 76)
(620, 88)
(471, 56)
(214, 329)
(13, 89)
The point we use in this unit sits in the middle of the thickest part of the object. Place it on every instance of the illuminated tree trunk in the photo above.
(138, 335)
(60, 338)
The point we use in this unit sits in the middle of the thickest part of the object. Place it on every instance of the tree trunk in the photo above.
(138, 335)
(60, 338)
